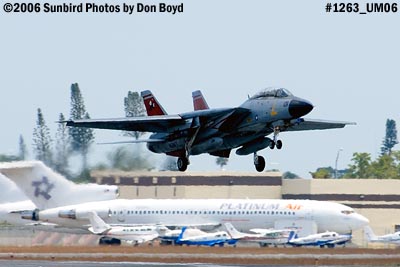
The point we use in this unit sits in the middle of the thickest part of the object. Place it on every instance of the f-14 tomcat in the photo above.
(218, 131)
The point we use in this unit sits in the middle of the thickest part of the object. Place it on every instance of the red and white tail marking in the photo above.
(199, 103)
(153, 107)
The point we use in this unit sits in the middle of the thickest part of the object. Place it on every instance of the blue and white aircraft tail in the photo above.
(49, 189)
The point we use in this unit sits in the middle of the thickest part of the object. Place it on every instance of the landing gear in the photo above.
(109, 241)
(275, 141)
(279, 144)
(182, 164)
(259, 162)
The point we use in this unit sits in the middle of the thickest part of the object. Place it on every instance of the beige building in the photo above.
(378, 200)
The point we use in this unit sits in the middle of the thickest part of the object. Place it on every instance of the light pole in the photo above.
(337, 158)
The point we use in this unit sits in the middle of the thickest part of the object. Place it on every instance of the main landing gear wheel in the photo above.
(259, 163)
(182, 164)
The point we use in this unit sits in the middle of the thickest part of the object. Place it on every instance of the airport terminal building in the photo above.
(376, 199)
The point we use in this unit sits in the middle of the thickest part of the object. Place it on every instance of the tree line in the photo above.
(386, 166)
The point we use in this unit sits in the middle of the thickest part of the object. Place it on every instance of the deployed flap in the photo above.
(310, 124)
(141, 124)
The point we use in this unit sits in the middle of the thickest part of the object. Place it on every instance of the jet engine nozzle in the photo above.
(30, 215)
(67, 214)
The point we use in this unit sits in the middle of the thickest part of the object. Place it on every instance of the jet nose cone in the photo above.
(298, 108)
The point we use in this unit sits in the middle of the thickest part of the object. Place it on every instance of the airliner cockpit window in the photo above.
(347, 212)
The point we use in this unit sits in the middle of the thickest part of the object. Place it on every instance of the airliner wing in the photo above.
(310, 124)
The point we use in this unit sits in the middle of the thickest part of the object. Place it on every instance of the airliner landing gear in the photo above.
(109, 241)
(259, 162)
(182, 164)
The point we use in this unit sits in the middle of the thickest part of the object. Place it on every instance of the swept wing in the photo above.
(311, 124)
(223, 118)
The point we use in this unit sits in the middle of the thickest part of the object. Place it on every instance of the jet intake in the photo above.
(212, 144)
(253, 146)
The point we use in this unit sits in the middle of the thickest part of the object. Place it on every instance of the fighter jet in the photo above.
(218, 131)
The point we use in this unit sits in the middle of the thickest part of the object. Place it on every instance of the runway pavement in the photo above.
(187, 256)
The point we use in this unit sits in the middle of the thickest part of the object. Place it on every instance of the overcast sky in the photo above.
(347, 65)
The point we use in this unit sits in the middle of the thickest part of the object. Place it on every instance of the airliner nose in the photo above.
(298, 108)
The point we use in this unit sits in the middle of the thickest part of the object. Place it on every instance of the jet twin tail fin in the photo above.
(153, 107)
(49, 189)
(199, 102)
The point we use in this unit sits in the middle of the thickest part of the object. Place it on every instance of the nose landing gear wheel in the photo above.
(259, 163)
(279, 144)
(182, 164)
(272, 144)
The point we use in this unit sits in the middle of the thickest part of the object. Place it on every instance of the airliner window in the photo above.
(347, 212)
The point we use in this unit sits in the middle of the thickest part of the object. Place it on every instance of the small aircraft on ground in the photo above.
(207, 239)
(132, 234)
(218, 131)
(329, 239)
(389, 238)
(264, 237)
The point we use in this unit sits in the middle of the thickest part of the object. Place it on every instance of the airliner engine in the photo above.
(77, 214)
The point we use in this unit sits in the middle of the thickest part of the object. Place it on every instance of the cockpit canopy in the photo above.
(272, 92)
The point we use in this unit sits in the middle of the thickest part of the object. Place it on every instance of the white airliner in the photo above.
(39, 187)
(262, 236)
(389, 238)
(212, 213)
(132, 234)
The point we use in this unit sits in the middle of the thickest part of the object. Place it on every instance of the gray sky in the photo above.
(347, 65)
